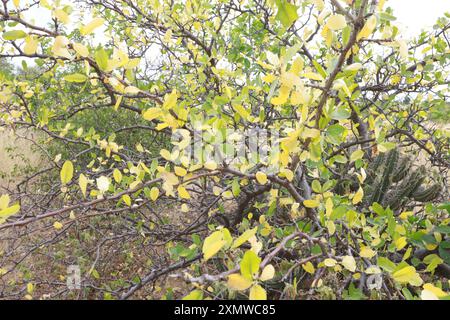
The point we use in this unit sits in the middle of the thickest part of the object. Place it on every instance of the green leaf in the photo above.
(250, 265)
(317, 188)
(386, 17)
(76, 77)
(320, 69)
(445, 206)
(101, 57)
(377, 208)
(386, 264)
(14, 35)
(340, 114)
(442, 229)
(287, 13)
(334, 134)
(236, 188)
(444, 251)
(357, 154)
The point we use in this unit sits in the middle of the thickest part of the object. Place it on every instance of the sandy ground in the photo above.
(17, 155)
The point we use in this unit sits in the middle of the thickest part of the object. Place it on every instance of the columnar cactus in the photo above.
(392, 181)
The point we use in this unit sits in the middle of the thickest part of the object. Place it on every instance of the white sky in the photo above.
(412, 15)
(415, 15)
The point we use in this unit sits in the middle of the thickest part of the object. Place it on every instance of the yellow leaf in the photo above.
(353, 67)
(395, 79)
(400, 243)
(81, 49)
(126, 198)
(66, 172)
(57, 225)
(182, 192)
(117, 175)
(118, 103)
(170, 100)
(261, 177)
(367, 252)
(358, 196)
(380, 5)
(328, 207)
(329, 262)
(16, 3)
(336, 22)
(132, 63)
(257, 293)
(244, 237)
(210, 165)
(311, 203)
(5, 213)
(194, 295)
(288, 174)
(213, 244)
(438, 292)
(368, 28)
(4, 201)
(331, 227)
(349, 263)
(31, 44)
(154, 193)
(131, 90)
(309, 267)
(267, 273)
(238, 282)
(179, 171)
(165, 154)
(30, 288)
(312, 76)
(282, 97)
(241, 111)
(428, 295)
(268, 78)
(407, 275)
(403, 48)
(91, 26)
(82, 182)
(297, 66)
(289, 80)
(310, 133)
(139, 147)
(62, 16)
(59, 47)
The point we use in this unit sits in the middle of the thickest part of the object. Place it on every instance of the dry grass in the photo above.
(18, 155)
